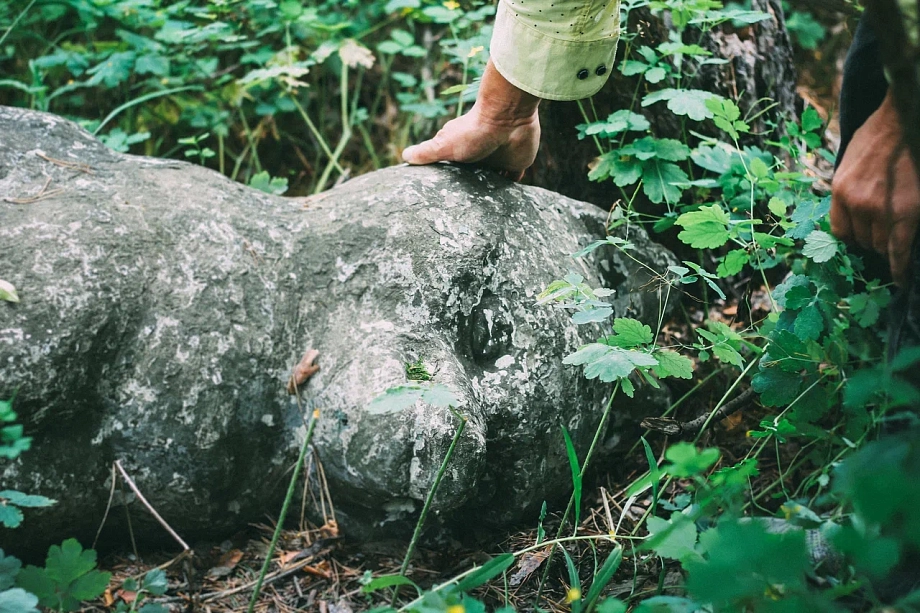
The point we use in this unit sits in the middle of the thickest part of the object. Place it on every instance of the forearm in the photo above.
(500, 102)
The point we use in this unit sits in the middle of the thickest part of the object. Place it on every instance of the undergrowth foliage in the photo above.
(211, 81)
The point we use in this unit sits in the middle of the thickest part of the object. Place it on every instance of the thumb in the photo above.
(428, 152)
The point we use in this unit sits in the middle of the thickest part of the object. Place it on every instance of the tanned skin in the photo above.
(876, 192)
(501, 131)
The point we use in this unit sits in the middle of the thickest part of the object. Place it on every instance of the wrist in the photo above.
(500, 102)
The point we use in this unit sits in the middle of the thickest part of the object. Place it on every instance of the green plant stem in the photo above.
(584, 468)
(429, 499)
(466, 67)
(517, 554)
(142, 99)
(724, 398)
(15, 21)
(346, 133)
(584, 115)
(316, 134)
(284, 510)
(251, 138)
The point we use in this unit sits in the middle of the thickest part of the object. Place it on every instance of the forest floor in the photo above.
(318, 568)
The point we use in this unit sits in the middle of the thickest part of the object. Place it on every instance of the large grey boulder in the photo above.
(163, 307)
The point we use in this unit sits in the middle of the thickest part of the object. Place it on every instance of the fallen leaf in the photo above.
(127, 596)
(303, 371)
(231, 558)
(527, 566)
(8, 292)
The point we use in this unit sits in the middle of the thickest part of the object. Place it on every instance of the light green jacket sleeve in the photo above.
(556, 49)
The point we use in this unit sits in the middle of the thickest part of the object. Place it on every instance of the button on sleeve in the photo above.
(557, 50)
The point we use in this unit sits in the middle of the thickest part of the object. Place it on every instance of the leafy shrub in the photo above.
(246, 85)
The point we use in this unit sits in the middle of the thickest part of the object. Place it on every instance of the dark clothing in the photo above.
(864, 84)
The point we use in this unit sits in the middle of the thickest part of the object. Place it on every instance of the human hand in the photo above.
(501, 131)
(876, 191)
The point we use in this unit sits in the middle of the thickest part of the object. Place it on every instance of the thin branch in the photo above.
(149, 507)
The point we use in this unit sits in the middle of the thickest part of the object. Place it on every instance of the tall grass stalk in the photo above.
(284, 511)
(429, 499)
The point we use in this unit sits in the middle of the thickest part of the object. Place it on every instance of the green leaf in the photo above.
(8, 292)
(744, 562)
(778, 207)
(35, 580)
(10, 516)
(726, 353)
(574, 582)
(26, 500)
(671, 150)
(440, 396)
(684, 102)
(620, 121)
(402, 397)
(386, 581)
(807, 213)
(777, 388)
(68, 562)
(733, 263)
(667, 604)
(262, 181)
(787, 293)
(674, 539)
(591, 316)
(155, 582)
(687, 461)
(811, 120)
(603, 577)
(672, 364)
(611, 605)
(90, 585)
(809, 324)
(575, 466)
(631, 333)
(608, 363)
(152, 63)
(662, 181)
(486, 572)
(113, 70)
(18, 600)
(9, 568)
(820, 246)
(714, 158)
(706, 228)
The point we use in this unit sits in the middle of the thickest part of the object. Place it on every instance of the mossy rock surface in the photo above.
(163, 308)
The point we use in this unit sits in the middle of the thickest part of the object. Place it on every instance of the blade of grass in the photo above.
(284, 510)
(653, 472)
(603, 577)
(429, 499)
(141, 99)
(576, 475)
(574, 595)
(15, 21)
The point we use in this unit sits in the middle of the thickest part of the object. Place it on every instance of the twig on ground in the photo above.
(270, 578)
(108, 507)
(672, 427)
(149, 507)
(65, 164)
(42, 194)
